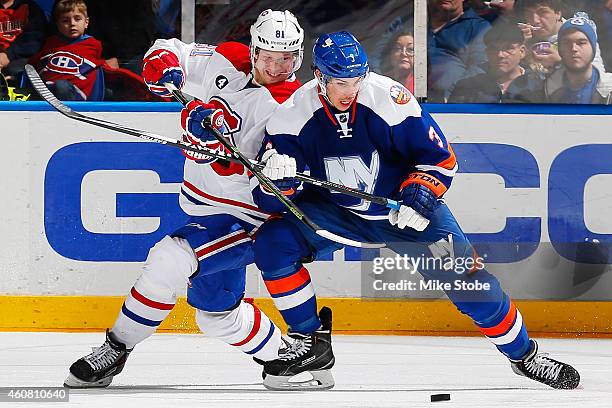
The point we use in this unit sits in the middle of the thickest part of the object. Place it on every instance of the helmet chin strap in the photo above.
(322, 79)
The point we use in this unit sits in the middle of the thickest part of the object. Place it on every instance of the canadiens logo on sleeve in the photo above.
(399, 94)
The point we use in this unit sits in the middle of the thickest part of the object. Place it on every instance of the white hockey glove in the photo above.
(408, 217)
(278, 166)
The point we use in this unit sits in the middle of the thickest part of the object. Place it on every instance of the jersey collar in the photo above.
(328, 107)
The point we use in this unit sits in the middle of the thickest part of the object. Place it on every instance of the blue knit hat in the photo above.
(583, 23)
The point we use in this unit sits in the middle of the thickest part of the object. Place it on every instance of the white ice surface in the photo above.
(187, 371)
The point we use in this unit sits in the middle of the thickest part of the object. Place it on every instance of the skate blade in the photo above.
(307, 381)
(73, 382)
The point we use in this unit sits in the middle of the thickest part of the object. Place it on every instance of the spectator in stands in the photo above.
(601, 12)
(578, 81)
(70, 61)
(504, 79)
(454, 46)
(23, 28)
(543, 19)
(126, 29)
(398, 62)
(167, 15)
(492, 10)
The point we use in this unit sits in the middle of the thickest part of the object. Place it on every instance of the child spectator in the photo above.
(23, 28)
(72, 65)
(578, 81)
(504, 80)
(398, 62)
(69, 61)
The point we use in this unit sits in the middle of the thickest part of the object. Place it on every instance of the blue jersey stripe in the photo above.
(139, 319)
(263, 343)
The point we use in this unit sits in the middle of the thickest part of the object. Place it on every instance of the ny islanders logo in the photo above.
(399, 94)
(67, 63)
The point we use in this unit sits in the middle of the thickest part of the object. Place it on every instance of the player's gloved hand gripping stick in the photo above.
(267, 183)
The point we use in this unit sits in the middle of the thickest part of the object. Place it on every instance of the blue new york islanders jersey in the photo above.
(382, 143)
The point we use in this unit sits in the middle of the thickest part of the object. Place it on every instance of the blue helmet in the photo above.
(339, 55)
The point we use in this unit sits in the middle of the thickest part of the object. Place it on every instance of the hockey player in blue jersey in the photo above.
(366, 131)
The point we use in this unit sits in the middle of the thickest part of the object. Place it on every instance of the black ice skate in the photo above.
(306, 363)
(97, 369)
(539, 367)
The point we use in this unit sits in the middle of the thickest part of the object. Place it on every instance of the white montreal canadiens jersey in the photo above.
(221, 75)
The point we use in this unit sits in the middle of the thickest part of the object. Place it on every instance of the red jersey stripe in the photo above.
(254, 330)
(218, 245)
(502, 327)
(199, 192)
(288, 283)
(151, 303)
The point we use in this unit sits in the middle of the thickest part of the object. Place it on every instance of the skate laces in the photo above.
(102, 357)
(542, 366)
(297, 348)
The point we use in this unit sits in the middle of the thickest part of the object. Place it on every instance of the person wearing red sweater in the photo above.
(69, 60)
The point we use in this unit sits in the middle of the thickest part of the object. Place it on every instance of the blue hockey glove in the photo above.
(191, 120)
(418, 205)
(196, 134)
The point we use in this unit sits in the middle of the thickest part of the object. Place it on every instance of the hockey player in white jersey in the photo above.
(239, 87)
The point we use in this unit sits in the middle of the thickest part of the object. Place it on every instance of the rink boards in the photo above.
(82, 205)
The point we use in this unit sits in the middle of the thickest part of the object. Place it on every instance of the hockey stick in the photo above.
(44, 92)
(268, 184)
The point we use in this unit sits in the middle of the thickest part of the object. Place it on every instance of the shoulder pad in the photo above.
(236, 53)
(388, 99)
(292, 115)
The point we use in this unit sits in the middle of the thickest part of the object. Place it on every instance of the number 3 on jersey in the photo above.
(233, 122)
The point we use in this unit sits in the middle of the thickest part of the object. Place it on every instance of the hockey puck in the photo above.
(440, 397)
